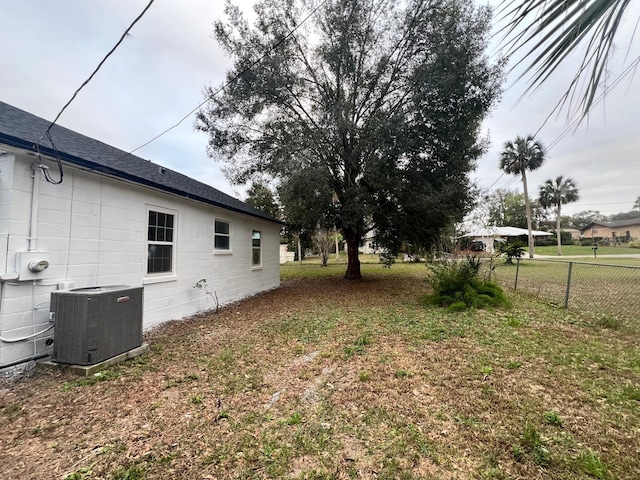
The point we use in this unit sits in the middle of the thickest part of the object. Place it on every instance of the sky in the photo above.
(158, 74)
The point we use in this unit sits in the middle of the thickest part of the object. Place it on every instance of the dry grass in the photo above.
(325, 378)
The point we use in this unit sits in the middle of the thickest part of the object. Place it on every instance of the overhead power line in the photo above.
(124, 35)
(497, 180)
(233, 79)
(75, 94)
(574, 124)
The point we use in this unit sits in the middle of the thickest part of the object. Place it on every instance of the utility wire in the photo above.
(497, 180)
(226, 84)
(124, 35)
(602, 96)
(574, 124)
(48, 131)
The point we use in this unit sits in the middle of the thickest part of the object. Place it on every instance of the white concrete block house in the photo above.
(116, 219)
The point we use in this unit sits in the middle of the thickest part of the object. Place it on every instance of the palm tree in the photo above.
(549, 31)
(518, 156)
(556, 194)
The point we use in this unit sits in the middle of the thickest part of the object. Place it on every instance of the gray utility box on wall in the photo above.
(95, 323)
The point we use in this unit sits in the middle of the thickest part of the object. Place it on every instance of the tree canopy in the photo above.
(506, 208)
(366, 112)
(261, 197)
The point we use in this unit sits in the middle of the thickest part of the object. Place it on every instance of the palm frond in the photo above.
(549, 31)
(558, 192)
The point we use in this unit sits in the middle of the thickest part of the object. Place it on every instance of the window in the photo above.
(221, 237)
(160, 244)
(255, 249)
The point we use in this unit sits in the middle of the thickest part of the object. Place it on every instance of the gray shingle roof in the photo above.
(22, 130)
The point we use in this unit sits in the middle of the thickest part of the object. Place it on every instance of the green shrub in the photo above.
(387, 259)
(565, 238)
(544, 242)
(511, 249)
(590, 242)
(635, 244)
(458, 286)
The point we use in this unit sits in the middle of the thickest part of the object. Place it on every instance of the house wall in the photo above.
(93, 231)
(602, 231)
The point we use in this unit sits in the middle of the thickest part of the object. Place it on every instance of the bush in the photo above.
(635, 244)
(586, 242)
(511, 249)
(545, 242)
(387, 259)
(565, 238)
(458, 286)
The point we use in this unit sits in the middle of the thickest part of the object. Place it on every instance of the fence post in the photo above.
(566, 296)
(515, 285)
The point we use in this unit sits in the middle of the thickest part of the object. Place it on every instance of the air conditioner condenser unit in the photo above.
(96, 323)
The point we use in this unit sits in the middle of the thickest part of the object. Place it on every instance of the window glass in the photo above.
(222, 237)
(255, 245)
(222, 227)
(160, 242)
(221, 243)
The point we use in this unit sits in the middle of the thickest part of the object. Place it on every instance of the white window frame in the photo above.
(254, 247)
(152, 277)
(222, 251)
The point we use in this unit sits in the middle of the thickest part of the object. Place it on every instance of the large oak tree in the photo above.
(369, 109)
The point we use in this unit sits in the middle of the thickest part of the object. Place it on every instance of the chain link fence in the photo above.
(611, 290)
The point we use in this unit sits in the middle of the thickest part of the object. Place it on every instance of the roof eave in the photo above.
(22, 144)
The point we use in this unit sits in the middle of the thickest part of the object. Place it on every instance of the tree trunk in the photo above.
(558, 232)
(353, 262)
(335, 230)
(299, 251)
(527, 208)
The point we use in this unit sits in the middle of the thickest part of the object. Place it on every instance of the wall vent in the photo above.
(96, 323)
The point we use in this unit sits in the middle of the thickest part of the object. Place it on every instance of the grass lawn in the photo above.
(608, 287)
(325, 378)
(568, 250)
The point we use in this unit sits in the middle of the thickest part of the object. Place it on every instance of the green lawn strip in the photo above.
(568, 250)
(540, 348)
(606, 291)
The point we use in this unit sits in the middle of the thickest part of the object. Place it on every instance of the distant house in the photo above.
(368, 246)
(575, 233)
(490, 235)
(116, 219)
(614, 231)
